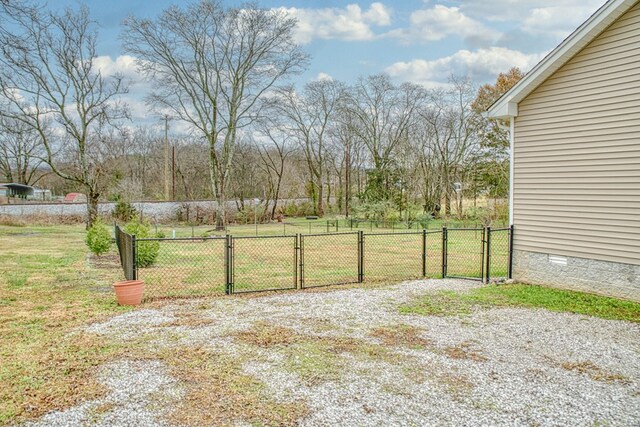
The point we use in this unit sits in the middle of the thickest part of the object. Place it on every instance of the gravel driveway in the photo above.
(349, 357)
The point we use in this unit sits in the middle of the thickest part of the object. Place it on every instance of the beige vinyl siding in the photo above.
(577, 153)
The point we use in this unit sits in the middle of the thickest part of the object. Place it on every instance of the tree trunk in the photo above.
(92, 208)
(447, 204)
(221, 211)
(320, 208)
(276, 196)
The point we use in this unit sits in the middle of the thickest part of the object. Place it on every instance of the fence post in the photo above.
(327, 226)
(360, 256)
(301, 260)
(444, 251)
(296, 249)
(424, 253)
(488, 232)
(484, 243)
(134, 258)
(337, 222)
(510, 266)
(228, 265)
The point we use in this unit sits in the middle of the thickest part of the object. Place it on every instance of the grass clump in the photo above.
(448, 303)
(265, 335)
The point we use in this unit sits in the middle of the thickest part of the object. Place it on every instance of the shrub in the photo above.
(290, 209)
(423, 219)
(98, 238)
(147, 252)
(124, 211)
(382, 210)
(305, 208)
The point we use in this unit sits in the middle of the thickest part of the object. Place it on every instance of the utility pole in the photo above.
(166, 158)
(347, 178)
(173, 172)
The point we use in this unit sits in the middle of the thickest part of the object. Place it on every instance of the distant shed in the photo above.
(75, 198)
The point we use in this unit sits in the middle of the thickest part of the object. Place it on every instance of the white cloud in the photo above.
(481, 65)
(349, 23)
(378, 14)
(123, 64)
(323, 76)
(519, 10)
(439, 22)
(555, 21)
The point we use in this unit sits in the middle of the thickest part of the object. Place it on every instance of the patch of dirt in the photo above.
(189, 319)
(400, 335)
(105, 261)
(464, 351)
(218, 392)
(457, 385)
(594, 371)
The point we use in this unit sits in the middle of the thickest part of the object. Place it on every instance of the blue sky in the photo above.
(412, 40)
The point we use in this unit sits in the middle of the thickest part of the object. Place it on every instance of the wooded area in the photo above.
(371, 148)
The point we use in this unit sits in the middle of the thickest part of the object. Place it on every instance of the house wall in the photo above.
(577, 165)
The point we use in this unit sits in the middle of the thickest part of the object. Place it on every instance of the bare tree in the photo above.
(309, 116)
(274, 153)
(210, 66)
(452, 131)
(382, 113)
(21, 153)
(51, 85)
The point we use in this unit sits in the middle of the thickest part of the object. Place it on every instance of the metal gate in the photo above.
(463, 253)
(261, 263)
(330, 259)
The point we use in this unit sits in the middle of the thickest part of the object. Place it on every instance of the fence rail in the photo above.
(203, 266)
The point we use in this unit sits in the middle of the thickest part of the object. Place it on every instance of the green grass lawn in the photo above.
(447, 303)
(48, 287)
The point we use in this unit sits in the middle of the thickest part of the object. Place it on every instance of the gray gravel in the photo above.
(140, 394)
(518, 378)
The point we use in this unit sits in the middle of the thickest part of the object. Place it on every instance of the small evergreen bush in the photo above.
(98, 238)
(124, 211)
(147, 252)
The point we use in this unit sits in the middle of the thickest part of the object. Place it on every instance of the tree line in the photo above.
(365, 147)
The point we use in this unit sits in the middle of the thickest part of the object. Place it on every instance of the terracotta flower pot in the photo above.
(129, 292)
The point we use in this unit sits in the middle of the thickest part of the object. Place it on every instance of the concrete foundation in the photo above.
(580, 274)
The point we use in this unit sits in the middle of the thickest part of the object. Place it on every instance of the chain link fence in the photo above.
(185, 267)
